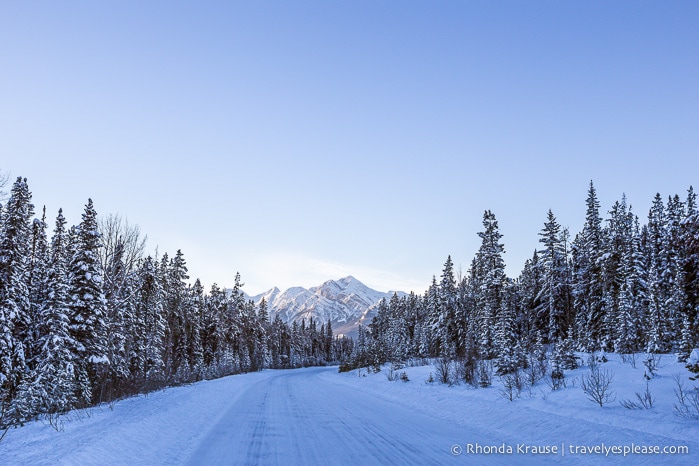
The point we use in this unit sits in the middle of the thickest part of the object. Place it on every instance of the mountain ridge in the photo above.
(345, 302)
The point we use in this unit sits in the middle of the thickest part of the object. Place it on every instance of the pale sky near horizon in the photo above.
(300, 141)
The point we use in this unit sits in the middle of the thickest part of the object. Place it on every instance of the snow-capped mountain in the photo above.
(346, 302)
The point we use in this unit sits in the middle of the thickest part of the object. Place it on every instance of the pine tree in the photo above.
(15, 321)
(88, 324)
(489, 282)
(176, 345)
(146, 361)
(554, 295)
(689, 266)
(446, 302)
(118, 288)
(617, 268)
(50, 387)
(38, 275)
(196, 310)
(659, 296)
(587, 290)
(530, 284)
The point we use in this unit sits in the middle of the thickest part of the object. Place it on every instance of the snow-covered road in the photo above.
(317, 416)
(297, 417)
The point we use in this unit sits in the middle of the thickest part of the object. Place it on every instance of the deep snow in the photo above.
(317, 416)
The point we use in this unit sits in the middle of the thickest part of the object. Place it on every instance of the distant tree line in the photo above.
(85, 318)
(616, 286)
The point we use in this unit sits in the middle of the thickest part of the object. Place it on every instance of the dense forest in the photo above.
(86, 318)
(616, 286)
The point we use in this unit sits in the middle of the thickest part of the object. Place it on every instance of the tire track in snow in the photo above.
(299, 418)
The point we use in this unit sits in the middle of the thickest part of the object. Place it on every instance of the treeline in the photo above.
(85, 318)
(617, 286)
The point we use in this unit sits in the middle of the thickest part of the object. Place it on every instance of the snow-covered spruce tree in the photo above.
(195, 312)
(38, 273)
(176, 300)
(146, 358)
(50, 387)
(658, 286)
(122, 328)
(447, 326)
(233, 329)
(555, 292)
(617, 269)
(88, 325)
(529, 285)
(431, 344)
(488, 274)
(587, 291)
(15, 321)
(690, 274)
(213, 335)
(510, 354)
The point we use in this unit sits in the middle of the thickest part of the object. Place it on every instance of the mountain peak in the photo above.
(345, 302)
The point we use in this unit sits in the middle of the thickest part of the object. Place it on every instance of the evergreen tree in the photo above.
(196, 310)
(146, 359)
(50, 387)
(38, 276)
(689, 264)
(15, 312)
(489, 281)
(121, 325)
(617, 266)
(657, 250)
(530, 284)
(587, 290)
(446, 302)
(554, 295)
(88, 324)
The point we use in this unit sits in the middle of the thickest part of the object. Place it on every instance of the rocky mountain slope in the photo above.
(346, 302)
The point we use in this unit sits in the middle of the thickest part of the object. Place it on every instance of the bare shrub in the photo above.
(629, 359)
(597, 386)
(645, 400)
(687, 405)
(444, 370)
(535, 371)
(512, 385)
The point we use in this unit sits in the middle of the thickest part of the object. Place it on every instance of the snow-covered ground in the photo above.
(317, 416)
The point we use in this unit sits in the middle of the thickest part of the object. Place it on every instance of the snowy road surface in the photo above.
(317, 416)
(300, 418)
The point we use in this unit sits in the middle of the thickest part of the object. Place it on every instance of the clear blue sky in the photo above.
(298, 141)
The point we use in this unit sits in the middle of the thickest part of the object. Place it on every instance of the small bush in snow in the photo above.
(444, 371)
(404, 377)
(652, 363)
(485, 374)
(629, 359)
(645, 400)
(512, 385)
(597, 386)
(465, 369)
(556, 379)
(430, 379)
(693, 363)
(687, 405)
(535, 370)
